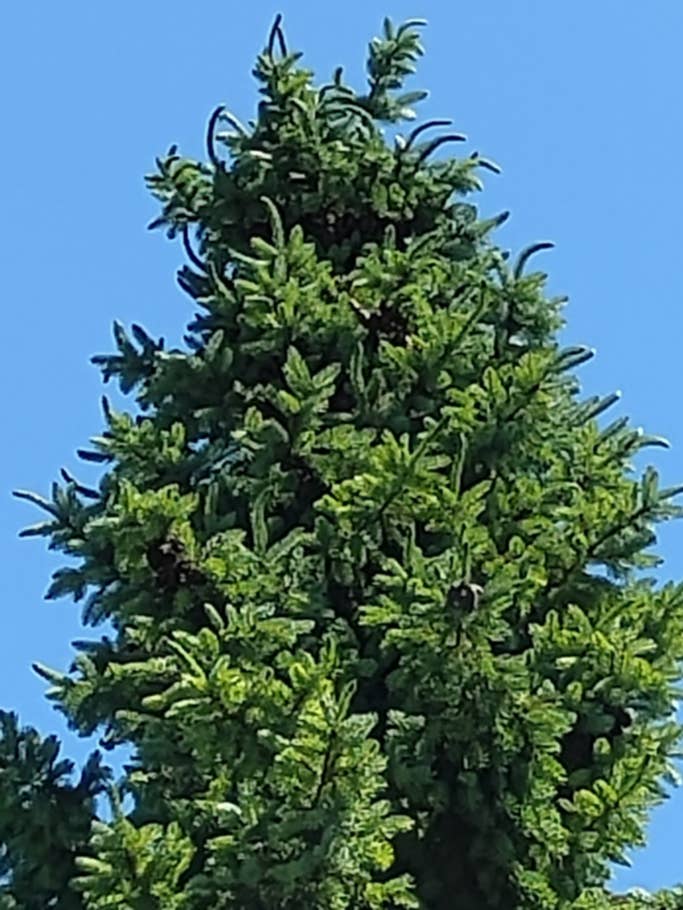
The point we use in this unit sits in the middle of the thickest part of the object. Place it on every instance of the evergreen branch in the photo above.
(275, 223)
(236, 124)
(192, 256)
(211, 137)
(39, 501)
(526, 254)
(592, 551)
(458, 466)
(430, 124)
(328, 761)
(276, 33)
(409, 468)
(218, 281)
(87, 492)
(431, 147)
(486, 163)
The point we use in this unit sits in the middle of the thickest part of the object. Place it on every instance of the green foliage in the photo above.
(44, 819)
(134, 867)
(381, 632)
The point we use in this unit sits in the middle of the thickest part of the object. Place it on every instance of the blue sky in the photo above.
(579, 103)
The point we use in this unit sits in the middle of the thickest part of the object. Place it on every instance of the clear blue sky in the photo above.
(578, 101)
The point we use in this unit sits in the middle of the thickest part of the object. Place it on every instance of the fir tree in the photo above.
(381, 635)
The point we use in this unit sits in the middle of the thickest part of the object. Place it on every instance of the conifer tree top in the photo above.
(380, 632)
